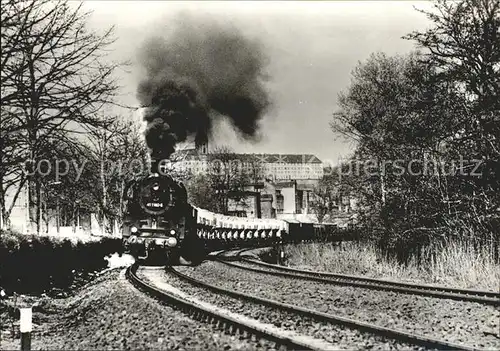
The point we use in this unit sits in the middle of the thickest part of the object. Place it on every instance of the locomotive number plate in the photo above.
(155, 204)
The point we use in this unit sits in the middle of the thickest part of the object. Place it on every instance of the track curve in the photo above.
(395, 334)
(483, 297)
(225, 322)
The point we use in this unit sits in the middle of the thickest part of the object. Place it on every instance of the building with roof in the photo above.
(282, 184)
(273, 167)
(280, 167)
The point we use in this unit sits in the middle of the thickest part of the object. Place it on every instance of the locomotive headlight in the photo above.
(156, 187)
(171, 242)
(172, 232)
(133, 229)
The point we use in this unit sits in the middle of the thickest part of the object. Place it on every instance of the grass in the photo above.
(456, 264)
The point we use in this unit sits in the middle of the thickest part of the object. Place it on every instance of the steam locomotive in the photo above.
(159, 224)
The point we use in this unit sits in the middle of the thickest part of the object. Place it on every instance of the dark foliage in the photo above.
(426, 127)
(35, 265)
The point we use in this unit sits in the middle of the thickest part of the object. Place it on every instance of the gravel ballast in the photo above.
(112, 314)
(460, 322)
(344, 338)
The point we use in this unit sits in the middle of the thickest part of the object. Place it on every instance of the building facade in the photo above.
(55, 220)
(283, 182)
(272, 167)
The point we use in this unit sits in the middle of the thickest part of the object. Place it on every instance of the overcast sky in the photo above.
(312, 48)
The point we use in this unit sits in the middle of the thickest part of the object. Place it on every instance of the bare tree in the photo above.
(14, 21)
(224, 179)
(226, 175)
(424, 112)
(336, 186)
(117, 154)
(55, 76)
(254, 168)
(324, 197)
(464, 45)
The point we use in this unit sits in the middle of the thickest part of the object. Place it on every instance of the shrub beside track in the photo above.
(32, 264)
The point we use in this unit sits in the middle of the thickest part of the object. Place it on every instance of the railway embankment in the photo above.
(458, 322)
(109, 313)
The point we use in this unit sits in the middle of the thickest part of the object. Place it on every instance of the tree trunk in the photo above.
(104, 197)
(3, 211)
(122, 201)
(74, 219)
(46, 218)
(383, 186)
(38, 189)
(8, 211)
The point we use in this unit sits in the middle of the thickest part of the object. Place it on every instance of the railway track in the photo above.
(394, 334)
(226, 322)
(483, 297)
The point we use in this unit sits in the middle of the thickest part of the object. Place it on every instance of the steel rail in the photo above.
(394, 334)
(484, 297)
(236, 251)
(223, 322)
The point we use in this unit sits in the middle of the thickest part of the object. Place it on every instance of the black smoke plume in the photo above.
(200, 72)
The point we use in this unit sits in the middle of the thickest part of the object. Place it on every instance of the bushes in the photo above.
(457, 264)
(404, 239)
(33, 265)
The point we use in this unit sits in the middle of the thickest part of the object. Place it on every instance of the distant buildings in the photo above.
(55, 220)
(272, 167)
(286, 199)
(281, 184)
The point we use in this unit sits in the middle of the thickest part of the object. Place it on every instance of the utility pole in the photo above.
(25, 326)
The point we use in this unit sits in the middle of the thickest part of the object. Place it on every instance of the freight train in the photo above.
(159, 224)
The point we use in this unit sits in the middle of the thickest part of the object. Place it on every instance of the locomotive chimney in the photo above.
(202, 148)
(154, 165)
